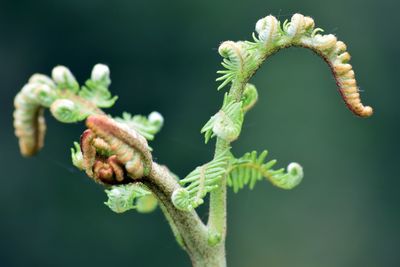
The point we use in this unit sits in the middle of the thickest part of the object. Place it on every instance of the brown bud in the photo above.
(129, 146)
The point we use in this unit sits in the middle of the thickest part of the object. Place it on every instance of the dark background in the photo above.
(163, 56)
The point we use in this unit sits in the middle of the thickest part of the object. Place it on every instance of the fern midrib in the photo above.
(259, 168)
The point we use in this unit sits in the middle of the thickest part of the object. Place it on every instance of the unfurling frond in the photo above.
(236, 61)
(130, 148)
(96, 89)
(66, 101)
(146, 204)
(122, 198)
(252, 167)
(227, 123)
(29, 123)
(147, 127)
(250, 97)
(243, 59)
(199, 182)
(97, 94)
(67, 111)
(64, 79)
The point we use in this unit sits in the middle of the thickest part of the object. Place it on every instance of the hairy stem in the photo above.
(217, 220)
(186, 225)
(189, 230)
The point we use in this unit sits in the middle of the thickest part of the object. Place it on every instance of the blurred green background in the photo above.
(163, 56)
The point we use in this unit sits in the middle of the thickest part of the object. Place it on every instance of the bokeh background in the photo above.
(163, 56)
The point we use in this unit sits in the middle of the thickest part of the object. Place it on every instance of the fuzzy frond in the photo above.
(122, 198)
(29, 122)
(243, 59)
(96, 88)
(236, 60)
(130, 148)
(66, 101)
(146, 126)
(250, 97)
(64, 79)
(67, 111)
(98, 94)
(199, 182)
(252, 167)
(227, 123)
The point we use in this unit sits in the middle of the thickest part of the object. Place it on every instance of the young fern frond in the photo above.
(97, 94)
(61, 94)
(147, 127)
(250, 97)
(77, 156)
(115, 152)
(130, 147)
(227, 123)
(199, 182)
(122, 198)
(29, 122)
(236, 60)
(243, 59)
(96, 88)
(251, 168)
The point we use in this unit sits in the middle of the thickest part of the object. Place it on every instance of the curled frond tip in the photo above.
(243, 59)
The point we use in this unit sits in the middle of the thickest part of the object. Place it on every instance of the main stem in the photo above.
(217, 219)
(190, 232)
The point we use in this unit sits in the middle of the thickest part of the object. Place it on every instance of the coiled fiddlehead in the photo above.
(242, 59)
(29, 122)
(130, 147)
(122, 198)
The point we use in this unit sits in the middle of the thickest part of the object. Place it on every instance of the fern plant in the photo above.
(114, 151)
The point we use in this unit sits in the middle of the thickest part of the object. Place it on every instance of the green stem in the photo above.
(217, 220)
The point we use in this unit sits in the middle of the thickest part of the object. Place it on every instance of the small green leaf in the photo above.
(67, 111)
(227, 123)
(77, 157)
(97, 93)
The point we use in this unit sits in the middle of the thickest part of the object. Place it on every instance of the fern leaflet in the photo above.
(98, 94)
(199, 182)
(146, 126)
(122, 198)
(251, 168)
